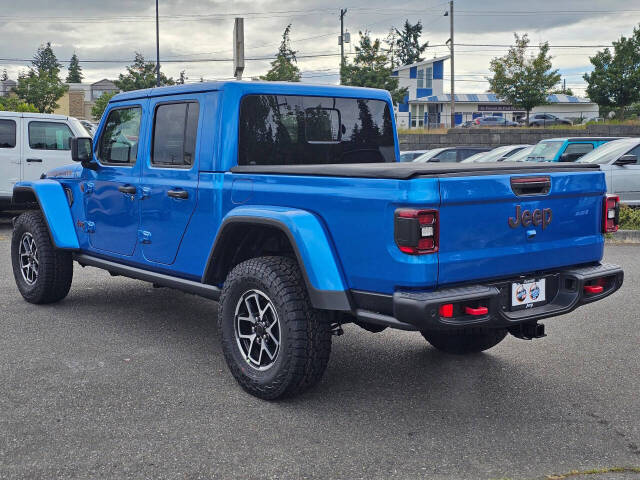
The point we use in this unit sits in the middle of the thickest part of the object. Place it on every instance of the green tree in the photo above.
(615, 80)
(14, 104)
(141, 74)
(284, 67)
(41, 86)
(182, 78)
(521, 79)
(371, 68)
(408, 48)
(75, 70)
(101, 103)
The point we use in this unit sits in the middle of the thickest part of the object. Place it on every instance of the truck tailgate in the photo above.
(499, 225)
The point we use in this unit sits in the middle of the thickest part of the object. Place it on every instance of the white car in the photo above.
(31, 144)
(499, 154)
(620, 162)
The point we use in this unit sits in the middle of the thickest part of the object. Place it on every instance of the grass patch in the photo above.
(417, 131)
(595, 471)
(629, 218)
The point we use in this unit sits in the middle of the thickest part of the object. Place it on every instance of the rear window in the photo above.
(297, 130)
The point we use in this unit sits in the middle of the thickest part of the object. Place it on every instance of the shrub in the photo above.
(629, 218)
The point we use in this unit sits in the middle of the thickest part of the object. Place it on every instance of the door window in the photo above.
(635, 151)
(49, 136)
(7, 134)
(448, 156)
(119, 141)
(174, 134)
(578, 149)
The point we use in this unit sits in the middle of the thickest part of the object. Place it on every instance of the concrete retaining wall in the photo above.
(495, 137)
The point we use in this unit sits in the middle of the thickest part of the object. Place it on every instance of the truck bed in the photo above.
(404, 171)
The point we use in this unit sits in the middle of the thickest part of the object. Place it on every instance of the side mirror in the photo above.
(627, 160)
(566, 157)
(434, 159)
(82, 151)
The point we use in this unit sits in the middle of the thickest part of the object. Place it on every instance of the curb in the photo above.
(624, 237)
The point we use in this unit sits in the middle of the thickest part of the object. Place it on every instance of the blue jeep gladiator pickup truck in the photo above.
(287, 204)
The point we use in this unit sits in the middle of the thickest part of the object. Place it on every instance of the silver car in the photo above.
(619, 159)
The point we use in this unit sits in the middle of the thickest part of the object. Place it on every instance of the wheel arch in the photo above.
(50, 198)
(249, 232)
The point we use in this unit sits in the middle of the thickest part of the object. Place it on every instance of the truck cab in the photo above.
(287, 204)
(32, 144)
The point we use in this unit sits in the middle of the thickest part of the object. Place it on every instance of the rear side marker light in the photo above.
(446, 310)
(416, 231)
(476, 311)
(611, 214)
(592, 289)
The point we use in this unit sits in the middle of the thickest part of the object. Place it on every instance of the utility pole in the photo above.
(343, 11)
(238, 48)
(157, 47)
(453, 101)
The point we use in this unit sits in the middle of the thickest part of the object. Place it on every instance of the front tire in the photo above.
(274, 342)
(463, 342)
(42, 273)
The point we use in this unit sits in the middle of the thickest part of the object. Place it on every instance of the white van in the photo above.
(31, 144)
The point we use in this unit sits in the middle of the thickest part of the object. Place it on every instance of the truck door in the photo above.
(170, 176)
(9, 154)
(111, 193)
(47, 146)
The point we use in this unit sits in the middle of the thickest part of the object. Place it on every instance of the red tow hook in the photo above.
(593, 289)
(476, 311)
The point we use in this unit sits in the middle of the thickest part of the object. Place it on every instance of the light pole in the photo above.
(157, 47)
(453, 91)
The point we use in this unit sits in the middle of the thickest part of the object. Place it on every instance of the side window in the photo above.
(7, 134)
(49, 136)
(175, 128)
(635, 151)
(448, 156)
(578, 148)
(119, 141)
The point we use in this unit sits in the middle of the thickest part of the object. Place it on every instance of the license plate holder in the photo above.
(528, 293)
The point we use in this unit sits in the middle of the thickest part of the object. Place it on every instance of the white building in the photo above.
(427, 106)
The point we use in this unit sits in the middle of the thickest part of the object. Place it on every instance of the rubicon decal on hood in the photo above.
(526, 218)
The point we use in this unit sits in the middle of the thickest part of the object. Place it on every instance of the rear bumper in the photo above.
(415, 310)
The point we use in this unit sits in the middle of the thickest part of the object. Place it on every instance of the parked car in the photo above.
(449, 154)
(546, 120)
(493, 121)
(466, 124)
(620, 161)
(522, 155)
(30, 145)
(411, 155)
(565, 149)
(498, 154)
(297, 233)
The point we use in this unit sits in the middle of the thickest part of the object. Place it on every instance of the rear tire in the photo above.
(463, 342)
(274, 342)
(42, 273)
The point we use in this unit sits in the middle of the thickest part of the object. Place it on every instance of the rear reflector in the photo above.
(592, 289)
(446, 310)
(611, 214)
(416, 231)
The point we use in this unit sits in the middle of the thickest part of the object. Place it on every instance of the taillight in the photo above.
(611, 213)
(416, 231)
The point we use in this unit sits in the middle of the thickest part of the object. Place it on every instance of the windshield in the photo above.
(425, 157)
(520, 156)
(608, 152)
(545, 151)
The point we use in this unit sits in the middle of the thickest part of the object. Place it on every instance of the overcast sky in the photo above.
(202, 29)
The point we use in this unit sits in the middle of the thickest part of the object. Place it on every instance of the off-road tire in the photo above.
(305, 342)
(55, 270)
(465, 341)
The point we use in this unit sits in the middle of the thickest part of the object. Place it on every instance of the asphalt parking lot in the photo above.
(121, 380)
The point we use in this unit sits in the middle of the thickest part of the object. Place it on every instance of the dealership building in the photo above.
(427, 106)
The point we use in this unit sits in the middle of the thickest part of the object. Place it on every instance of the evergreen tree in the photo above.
(371, 68)
(615, 80)
(408, 46)
(521, 79)
(141, 74)
(284, 67)
(41, 86)
(75, 70)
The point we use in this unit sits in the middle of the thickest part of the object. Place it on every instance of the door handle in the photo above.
(128, 189)
(36, 160)
(181, 194)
